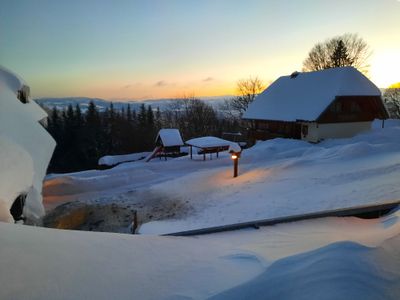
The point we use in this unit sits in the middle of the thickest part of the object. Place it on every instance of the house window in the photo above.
(22, 96)
(336, 107)
(304, 130)
(262, 125)
(354, 107)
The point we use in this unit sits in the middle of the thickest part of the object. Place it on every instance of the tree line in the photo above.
(83, 137)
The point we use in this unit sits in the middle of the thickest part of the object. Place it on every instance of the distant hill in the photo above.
(102, 104)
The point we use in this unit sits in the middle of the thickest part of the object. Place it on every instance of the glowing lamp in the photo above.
(235, 157)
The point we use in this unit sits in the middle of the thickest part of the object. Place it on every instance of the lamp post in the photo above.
(235, 157)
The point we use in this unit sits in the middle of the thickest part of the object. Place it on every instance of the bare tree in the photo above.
(391, 97)
(340, 51)
(247, 90)
(194, 117)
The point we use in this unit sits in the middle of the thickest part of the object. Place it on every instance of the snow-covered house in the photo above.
(332, 103)
(25, 150)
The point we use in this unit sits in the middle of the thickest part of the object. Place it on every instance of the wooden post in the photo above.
(204, 156)
(191, 152)
(235, 167)
(134, 223)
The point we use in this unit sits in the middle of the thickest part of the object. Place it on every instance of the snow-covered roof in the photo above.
(212, 142)
(10, 84)
(306, 96)
(170, 137)
(21, 135)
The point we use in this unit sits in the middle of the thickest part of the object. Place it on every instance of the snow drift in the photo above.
(26, 148)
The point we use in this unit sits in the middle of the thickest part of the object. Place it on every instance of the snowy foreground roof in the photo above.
(170, 137)
(305, 96)
(330, 258)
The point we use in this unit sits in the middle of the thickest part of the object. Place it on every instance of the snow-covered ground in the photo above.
(331, 258)
(279, 177)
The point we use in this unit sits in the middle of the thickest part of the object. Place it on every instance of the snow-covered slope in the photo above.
(277, 178)
(332, 258)
(25, 148)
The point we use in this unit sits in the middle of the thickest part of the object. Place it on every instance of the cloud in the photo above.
(208, 79)
(161, 83)
(131, 85)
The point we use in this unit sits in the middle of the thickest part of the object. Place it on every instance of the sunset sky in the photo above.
(167, 48)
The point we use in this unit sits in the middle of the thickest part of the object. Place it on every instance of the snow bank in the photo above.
(16, 175)
(328, 258)
(21, 131)
(343, 270)
(377, 124)
(112, 160)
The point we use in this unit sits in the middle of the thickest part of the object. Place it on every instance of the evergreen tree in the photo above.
(150, 117)
(78, 117)
(134, 120)
(142, 120)
(55, 129)
(54, 124)
(158, 119)
(340, 56)
(92, 115)
(93, 136)
(129, 113)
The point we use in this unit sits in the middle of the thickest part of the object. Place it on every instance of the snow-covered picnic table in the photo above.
(211, 144)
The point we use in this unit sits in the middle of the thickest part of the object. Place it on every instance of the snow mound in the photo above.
(342, 270)
(26, 147)
(16, 164)
(112, 160)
